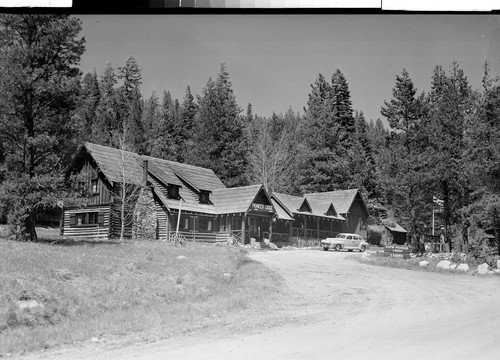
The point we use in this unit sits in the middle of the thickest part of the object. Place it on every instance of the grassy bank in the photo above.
(56, 293)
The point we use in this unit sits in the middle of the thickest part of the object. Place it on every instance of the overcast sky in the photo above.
(273, 59)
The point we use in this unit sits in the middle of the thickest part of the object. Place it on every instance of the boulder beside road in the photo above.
(482, 269)
(463, 267)
(443, 264)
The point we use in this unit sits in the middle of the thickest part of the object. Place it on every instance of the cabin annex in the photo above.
(351, 205)
(299, 218)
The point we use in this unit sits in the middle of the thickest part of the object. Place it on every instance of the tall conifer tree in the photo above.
(39, 88)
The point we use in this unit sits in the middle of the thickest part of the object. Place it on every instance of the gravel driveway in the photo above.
(335, 308)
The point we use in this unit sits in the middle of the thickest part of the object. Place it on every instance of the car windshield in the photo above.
(341, 236)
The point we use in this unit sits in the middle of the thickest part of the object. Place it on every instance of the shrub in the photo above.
(374, 236)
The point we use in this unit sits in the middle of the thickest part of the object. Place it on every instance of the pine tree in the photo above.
(342, 106)
(39, 89)
(87, 106)
(187, 114)
(482, 157)
(220, 143)
(152, 120)
(131, 105)
(403, 169)
(328, 132)
(107, 112)
(449, 103)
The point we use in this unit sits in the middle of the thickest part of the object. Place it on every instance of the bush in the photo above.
(374, 236)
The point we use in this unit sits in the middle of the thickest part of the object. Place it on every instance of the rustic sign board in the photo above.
(398, 251)
(262, 207)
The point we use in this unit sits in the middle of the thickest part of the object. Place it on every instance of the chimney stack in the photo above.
(145, 172)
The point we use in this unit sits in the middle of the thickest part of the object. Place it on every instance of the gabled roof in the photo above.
(199, 178)
(282, 212)
(160, 169)
(322, 207)
(291, 202)
(117, 165)
(235, 200)
(396, 228)
(341, 199)
(110, 161)
(294, 204)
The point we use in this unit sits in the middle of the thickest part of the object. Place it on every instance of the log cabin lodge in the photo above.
(209, 211)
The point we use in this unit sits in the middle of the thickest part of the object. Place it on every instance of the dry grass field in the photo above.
(54, 293)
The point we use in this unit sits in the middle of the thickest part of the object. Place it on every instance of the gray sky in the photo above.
(273, 59)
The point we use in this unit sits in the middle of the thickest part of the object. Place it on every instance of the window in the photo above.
(205, 224)
(94, 186)
(204, 197)
(92, 218)
(88, 218)
(173, 192)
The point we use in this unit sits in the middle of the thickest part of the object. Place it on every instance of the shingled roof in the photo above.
(294, 203)
(235, 200)
(110, 161)
(199, 178)
(282, 212)
(117, 165)
(341, 199)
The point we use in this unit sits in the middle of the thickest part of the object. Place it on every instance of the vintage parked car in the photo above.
(345, 241)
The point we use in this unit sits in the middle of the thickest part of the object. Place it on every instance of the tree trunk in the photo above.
(446, 199)
(29, 232)
(496, 228)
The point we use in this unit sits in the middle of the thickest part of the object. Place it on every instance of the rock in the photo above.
(497, 271)
(28, 304)
(482, 269)
(443, 264)
(94, 339)
(453, 266)
(463, 267)
(181, 257)
(423, 263)
(273, 246)
(498, 264)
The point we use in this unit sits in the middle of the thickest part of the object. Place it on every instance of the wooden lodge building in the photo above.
(209, 211)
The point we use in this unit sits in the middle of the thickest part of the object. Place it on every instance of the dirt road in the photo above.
(336, 308)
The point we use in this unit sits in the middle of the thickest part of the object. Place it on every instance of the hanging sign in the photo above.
(262, 207)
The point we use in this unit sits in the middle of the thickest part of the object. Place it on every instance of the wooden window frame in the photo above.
(204, 197)
(173, 192)
(94, 186)
(89, 219)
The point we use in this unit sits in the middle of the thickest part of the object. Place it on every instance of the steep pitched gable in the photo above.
(240, 199)
(341, 199)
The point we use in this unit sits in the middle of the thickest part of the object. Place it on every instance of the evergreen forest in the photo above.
(443, 144)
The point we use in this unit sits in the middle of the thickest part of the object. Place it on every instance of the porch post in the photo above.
(243, 229)
(305, 226)
(270, 228)
(194, 228)
(290, 230)
(230, 221)
(317, 229)
(167, 225)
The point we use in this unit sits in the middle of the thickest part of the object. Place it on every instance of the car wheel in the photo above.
(363, 248)
(337, 247)
(325, 248)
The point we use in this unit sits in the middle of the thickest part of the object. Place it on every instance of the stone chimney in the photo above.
(145, 172)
